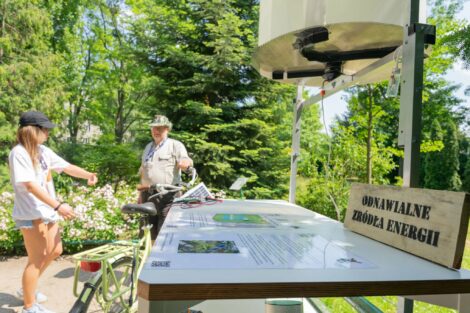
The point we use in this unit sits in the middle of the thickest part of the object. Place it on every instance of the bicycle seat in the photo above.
(147, 208)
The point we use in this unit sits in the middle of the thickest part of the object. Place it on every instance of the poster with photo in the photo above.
(193, 250)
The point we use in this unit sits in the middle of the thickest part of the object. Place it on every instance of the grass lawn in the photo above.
(388, 304)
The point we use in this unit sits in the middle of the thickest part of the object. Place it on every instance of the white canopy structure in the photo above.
(340, 43)
(310, 41)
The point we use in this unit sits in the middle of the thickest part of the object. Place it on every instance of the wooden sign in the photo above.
(431, 224)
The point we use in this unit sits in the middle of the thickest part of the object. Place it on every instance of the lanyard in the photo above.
(153, 149)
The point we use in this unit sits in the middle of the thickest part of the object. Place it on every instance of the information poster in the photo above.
(252, 241)
(197, 220)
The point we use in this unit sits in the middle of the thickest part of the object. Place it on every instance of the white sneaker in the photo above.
(36, 308)
(32, 309)
(42, 309)
(40, 298)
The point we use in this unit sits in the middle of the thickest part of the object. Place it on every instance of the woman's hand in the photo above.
(92, 180)
(79, 172)
(66, 211)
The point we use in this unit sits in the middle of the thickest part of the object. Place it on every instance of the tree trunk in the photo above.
(119, 126)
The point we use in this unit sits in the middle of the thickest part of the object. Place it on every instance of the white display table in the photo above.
(227, 251)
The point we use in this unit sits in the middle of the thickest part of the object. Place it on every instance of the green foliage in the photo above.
(357, 151)
(8, 235)
(5, 178)
(441, 168)
(313, 143)
(328, 188)
(30, 77)
(114, 163)
(385, 304)
(226, 115)
(466, 180)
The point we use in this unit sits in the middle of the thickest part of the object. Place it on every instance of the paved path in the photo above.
(56, 283)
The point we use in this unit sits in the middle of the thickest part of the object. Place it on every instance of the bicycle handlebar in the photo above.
(161, 189)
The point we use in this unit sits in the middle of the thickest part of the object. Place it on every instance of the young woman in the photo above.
(36, 211)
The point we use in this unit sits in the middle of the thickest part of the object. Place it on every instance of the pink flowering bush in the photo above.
(98, 217)
(8, 235)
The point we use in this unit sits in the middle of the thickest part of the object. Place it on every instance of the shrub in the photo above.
(98, 218)
(8, 235)
(113, 162)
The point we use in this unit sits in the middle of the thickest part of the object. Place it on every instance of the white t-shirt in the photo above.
(27, 206)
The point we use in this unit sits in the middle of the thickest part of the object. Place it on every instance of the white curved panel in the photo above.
(353, 25)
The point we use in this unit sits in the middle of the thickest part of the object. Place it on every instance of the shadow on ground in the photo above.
(9, 303)
(69, 272)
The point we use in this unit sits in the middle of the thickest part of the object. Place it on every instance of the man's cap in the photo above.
(161, 120)
(35, 118)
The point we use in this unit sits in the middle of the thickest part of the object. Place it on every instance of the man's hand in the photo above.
(142, 187)
(66, 211)
(92, 180)
(184, 164)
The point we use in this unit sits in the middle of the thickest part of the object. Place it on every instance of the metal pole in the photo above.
(296, 123)
(409, 134)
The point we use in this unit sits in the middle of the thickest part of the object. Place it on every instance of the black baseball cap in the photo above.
(35, 118)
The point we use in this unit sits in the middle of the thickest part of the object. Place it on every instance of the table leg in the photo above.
(463, 303)
(404, 305)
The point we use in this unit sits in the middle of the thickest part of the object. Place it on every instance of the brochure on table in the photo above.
(201, 240)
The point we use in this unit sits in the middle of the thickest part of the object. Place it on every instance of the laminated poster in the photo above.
(212, 241)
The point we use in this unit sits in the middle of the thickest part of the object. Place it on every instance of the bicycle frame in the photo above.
(105, 256)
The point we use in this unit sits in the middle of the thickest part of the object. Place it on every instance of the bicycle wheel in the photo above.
(122, 269)
(91, 298)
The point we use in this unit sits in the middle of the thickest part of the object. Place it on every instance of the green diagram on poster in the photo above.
(239, 218)
(207, 246)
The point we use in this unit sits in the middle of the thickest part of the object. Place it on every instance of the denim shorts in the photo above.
(28, 224)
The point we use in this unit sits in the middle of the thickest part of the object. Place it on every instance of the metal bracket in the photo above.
(428, 30)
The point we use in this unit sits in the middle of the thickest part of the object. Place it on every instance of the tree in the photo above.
(466, 177)
(370, 112)
(226, 114)
(441, 167)
(30, 75)
(121, 84)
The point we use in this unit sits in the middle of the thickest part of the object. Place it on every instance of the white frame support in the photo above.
(295, 154)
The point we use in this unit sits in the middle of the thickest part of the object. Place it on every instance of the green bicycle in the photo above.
(116, 266)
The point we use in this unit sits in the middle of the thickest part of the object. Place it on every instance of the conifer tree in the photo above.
(225, 113)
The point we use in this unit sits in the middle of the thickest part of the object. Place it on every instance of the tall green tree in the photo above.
(371, 114)
(227, 115)
(441, 168)
(466, 177)
(121, 84)
(30, 75)
(75, 41)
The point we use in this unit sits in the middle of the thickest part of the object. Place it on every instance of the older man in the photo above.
(162, 162)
